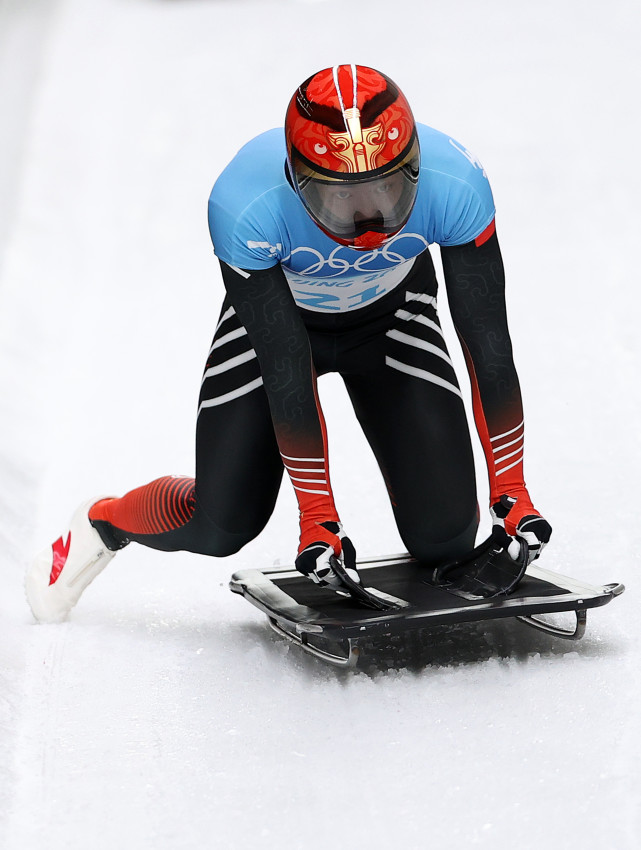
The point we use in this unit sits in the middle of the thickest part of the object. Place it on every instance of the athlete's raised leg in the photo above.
(238, 474)
(238, 466)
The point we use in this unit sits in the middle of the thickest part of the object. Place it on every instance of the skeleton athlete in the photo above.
(322, 233)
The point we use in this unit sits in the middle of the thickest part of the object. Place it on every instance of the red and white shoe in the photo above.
(58, 575)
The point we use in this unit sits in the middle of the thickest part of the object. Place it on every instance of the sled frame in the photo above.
(318, 631)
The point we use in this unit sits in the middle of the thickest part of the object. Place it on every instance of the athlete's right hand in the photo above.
(317, 559)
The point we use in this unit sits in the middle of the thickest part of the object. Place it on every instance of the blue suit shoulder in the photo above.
(247, 204)
(257, 167)
(441, 153)
(454, 195)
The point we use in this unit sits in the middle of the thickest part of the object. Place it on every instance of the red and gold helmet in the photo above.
(353, 154)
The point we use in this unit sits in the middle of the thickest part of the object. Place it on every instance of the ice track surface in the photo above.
(164, 714)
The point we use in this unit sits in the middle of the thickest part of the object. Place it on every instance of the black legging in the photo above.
(395, 365)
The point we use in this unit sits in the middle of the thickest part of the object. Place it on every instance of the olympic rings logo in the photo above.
(387, 254)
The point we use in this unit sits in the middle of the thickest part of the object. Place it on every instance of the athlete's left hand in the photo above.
(518, 517)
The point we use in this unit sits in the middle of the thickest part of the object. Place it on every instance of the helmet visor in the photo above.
(346, 207)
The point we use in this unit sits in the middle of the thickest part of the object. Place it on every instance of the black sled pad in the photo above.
(412, 597)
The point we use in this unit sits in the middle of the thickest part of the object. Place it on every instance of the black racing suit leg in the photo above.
(238, 465)
(419, 436)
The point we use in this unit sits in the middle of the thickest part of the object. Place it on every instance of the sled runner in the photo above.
(398, 595)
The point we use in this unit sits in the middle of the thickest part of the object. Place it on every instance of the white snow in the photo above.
(164, 714)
